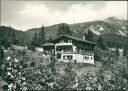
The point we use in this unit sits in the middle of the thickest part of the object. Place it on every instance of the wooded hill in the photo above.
(112, 29)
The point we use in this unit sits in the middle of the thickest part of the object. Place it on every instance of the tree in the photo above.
(89, 35)
(12, 37)
(1, 57)
(125, 50)
(67, 80)
(35, 40)
(34, 43)
(101, 44)
(117, 51)
(20, 40)
(50, 39)
(42, 37)
(64, 29)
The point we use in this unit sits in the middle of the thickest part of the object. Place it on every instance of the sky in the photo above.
(23, 15)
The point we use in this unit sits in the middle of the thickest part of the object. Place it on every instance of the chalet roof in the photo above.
(48, 44)
(74, 38)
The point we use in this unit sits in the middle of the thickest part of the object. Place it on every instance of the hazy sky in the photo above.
(32, 14)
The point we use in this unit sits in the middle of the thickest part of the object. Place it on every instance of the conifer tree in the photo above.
(64, 29)
(35, 40)
(125, 50)
(101, 44)
(12, 37)
(89, 35)
(42, 37)
(21, 41)
(117, 51)
(1, 58)
(10, 40)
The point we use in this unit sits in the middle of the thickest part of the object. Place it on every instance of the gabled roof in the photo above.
(74, 38)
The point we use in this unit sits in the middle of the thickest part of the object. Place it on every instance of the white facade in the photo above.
(73, 55)
(79, 58)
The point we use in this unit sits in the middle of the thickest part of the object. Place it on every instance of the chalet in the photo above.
(68, 48)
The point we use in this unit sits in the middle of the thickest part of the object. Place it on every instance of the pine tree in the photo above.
(117, 51)
(89, 35)
(64, 29)
(42, 37)
(10, 40)
(20, 42)
(101, 44)
(125, 50)
(1, 58)
(12, 37)
(35, 40)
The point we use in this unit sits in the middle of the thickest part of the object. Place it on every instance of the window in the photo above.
(69, 57)
(63, 57)
(58, 55)
(68, 41)
(86, 57)
(71, 41)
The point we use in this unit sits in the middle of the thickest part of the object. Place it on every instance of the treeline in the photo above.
(10, 36)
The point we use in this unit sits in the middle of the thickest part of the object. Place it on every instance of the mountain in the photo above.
(112, 29)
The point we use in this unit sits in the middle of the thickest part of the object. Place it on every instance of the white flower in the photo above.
(9, 73)
(9, 68)
(23, 78)
(16, 60)
(8, 58)
(75, 85)
(10, 87)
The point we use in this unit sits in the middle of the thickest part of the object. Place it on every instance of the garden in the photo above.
(26, 70)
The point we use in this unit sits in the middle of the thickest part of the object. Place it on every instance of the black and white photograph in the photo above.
(60, 45)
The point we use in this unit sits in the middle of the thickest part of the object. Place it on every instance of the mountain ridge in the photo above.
(111, 27)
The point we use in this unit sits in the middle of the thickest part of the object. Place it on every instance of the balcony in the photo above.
(71, 52)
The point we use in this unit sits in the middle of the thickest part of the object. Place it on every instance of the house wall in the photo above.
(79, 50)
(79, 58)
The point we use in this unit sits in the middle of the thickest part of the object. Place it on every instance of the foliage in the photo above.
(113, 72)
(110, 32)
(34, 70)
(101, 44)
(89, 35)
(64, 29)
(117, 51)
(1, 58)
(10, 36)
(39, 39)
(67, 80)
(42, 36)
(35, 40)
(125, 50)
(24, 67)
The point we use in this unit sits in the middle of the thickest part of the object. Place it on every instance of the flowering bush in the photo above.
(31, 70)
(25, 70)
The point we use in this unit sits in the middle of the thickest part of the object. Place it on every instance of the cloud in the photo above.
(35, 15)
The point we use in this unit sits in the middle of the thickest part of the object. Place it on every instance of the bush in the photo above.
(36, 71)
(32, 48)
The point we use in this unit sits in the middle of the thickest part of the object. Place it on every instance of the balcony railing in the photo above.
(71, 52)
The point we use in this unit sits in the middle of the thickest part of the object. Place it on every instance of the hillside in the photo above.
(9, 33)
(112, 29)
(40, 72)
